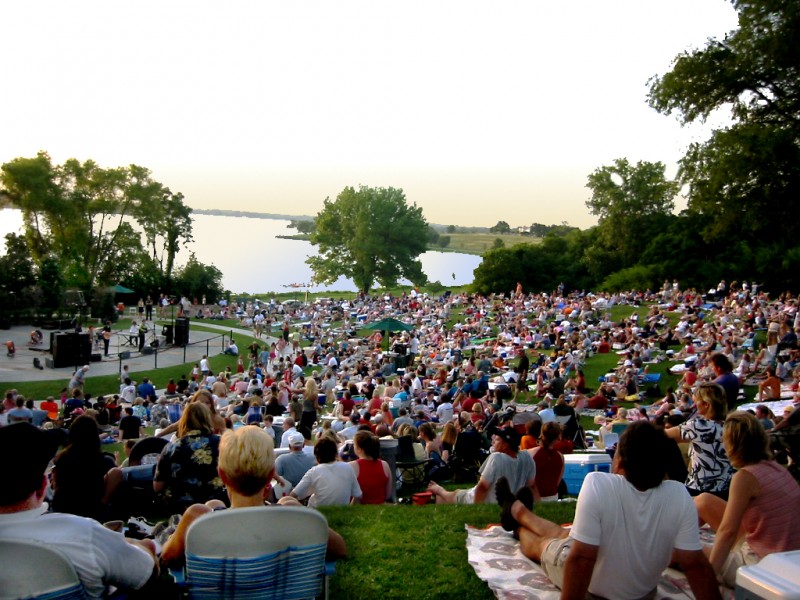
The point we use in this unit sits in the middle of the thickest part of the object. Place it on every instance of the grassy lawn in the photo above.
(411, 551)
(478, 243)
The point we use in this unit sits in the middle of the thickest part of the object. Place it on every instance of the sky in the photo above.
(479, 111)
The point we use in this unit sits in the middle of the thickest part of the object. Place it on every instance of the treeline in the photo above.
(88, 228)
(742, 184)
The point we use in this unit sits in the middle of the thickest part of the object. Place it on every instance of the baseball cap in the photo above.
(509, 435)
(296, 439)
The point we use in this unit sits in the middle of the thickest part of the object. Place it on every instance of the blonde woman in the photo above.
(709, 468)
(757, 518)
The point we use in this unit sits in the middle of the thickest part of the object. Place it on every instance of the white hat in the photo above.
(296, 439)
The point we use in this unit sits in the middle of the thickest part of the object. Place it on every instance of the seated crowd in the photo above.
(236, 439)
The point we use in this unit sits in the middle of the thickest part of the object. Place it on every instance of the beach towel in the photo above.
(497, 559)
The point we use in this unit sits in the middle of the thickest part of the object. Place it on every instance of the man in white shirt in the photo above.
(445, 412)
(630, 517)
(288, 430)
(545, 412)
(101, 557)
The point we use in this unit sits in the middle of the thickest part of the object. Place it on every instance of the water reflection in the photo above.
(253, 260)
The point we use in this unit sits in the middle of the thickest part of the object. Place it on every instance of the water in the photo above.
(253, 260)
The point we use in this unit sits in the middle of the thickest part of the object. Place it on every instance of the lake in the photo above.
(253, 260)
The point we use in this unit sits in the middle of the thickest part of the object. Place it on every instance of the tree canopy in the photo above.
(744, 181)
(82, 215)
(369, 235)
(629, 199)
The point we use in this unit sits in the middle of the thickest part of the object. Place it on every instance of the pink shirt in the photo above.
(772, 521)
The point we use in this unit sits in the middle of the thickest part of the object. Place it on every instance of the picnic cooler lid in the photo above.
(587, 459)
(776, 577)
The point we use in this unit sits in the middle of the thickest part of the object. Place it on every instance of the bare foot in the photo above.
(434, 488)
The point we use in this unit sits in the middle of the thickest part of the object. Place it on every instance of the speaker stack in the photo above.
(70, 349)
(181, 331)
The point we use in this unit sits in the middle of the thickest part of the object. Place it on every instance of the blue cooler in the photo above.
(776, 577)
(577, 466)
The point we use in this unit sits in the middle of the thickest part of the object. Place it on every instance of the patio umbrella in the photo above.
(388, 324)
(121, 289)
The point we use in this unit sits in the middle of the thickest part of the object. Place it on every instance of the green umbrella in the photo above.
(121, 289)
(388, 324)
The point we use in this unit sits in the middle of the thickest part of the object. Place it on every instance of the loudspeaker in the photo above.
(71, 349)
(181, 331)
(96, 358)
(168, 332)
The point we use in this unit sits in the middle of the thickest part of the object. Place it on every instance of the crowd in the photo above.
(447, 395)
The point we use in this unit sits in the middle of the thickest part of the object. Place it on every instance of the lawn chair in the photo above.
(410, 470)
(467, 457)
(619, 428)
(265, 553)
(33, 570)
(577, 436)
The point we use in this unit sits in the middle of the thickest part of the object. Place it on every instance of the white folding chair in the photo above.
(32, 570)
(271, 552)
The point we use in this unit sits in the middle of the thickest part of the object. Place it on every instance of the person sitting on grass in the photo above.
(246, 466)
(505, 461)
(331, 482)
(101, 557)
(630, 517)
(751, 524)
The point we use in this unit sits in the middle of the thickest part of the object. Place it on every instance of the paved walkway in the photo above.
(21, 368)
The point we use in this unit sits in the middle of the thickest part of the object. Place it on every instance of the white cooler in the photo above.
(776, 577)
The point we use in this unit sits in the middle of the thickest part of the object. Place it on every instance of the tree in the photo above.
(744, 181)
(83, 214)
(451, 229)
(631, 201)
(498, 243)
(167, 223)
(369, 235)
(501, 227)
(444, 241)
(303, 226)
(196, 280)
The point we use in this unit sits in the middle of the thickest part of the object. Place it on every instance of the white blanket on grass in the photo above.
(497, 559)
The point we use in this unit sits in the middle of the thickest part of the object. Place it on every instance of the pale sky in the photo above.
(480, 111)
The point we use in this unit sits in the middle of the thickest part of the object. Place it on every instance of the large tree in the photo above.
(631, 202)
(369, 235)
(83, 214)
(744, 181)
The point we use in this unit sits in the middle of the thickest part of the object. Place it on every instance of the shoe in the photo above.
(525, 495)
(141, 524)
(505, 498)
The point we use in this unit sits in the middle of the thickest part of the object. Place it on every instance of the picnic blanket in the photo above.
(497, 559)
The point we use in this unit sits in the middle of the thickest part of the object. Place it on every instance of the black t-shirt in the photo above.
(130, 426)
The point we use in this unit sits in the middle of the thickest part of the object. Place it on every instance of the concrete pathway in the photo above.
(21, 367)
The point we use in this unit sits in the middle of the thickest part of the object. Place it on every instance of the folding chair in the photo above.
(265, 553)
(33, 570)
(410, 471)
(467, 457)
(577, 437)
(619, 428)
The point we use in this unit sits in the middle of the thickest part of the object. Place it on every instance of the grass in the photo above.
(467, 243)
(478, 243)
(411, 551)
